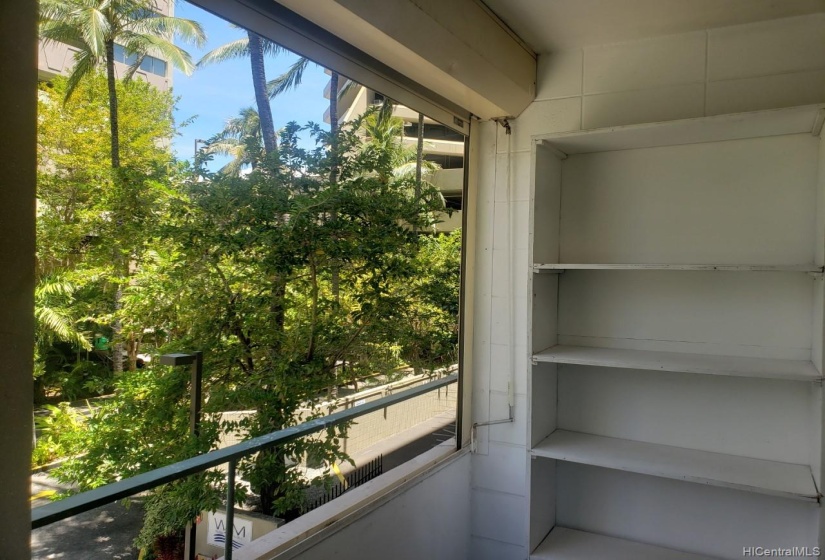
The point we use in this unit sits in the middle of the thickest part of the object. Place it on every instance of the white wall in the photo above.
(428, 520)
(734, 69)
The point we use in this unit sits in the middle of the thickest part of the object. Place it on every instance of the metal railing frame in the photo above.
(85, 501)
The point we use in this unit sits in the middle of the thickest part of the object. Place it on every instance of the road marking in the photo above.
(43, 494)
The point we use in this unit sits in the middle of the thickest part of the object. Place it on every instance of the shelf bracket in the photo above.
(820, 120)
(538, 270)
(552, 149)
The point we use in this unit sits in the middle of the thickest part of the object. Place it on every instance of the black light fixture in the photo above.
(195, 359)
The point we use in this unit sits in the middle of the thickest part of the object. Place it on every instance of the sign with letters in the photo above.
(216, 534)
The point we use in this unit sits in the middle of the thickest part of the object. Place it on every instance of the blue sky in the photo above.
(215, 93)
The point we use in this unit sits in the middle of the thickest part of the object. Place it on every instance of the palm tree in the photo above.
(240, 139)
(293, 77)
(255, 47)
(94, 26)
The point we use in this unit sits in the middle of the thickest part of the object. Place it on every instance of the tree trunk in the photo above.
(113, 122)
(117, 349)
(333, 171)
(419, 158)
(333, 126)
(256, 57)
(117, 327)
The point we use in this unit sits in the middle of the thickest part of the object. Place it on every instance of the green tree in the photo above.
(95, 26)
(212, 283)
(429, 333)
(84, 213)
(149, 405)
(241, 267)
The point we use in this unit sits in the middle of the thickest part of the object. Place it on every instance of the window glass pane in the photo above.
(130, 58)
(160, 67)
(119, 53)
(146, 64)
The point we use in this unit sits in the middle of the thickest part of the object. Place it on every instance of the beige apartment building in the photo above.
(55, 59)
(442, 145)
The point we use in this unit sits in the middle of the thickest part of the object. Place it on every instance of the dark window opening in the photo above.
(453, 201)
(446, 162)
(433, 132)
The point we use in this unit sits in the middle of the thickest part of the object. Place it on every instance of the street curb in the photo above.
(53, 465)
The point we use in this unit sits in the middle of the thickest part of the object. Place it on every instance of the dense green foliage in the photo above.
(290, 283)
(61, 434)
(90, 221)
(295, 271)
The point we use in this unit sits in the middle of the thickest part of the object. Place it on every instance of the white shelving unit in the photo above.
(569, 544)
(555, 267)
(737, 366)
(715, 469)
(676, 332)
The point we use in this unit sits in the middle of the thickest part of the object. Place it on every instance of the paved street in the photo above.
(105, 533)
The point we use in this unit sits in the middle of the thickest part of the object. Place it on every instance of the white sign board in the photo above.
(216, 534)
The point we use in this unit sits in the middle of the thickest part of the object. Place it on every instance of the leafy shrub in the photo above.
(62, 433)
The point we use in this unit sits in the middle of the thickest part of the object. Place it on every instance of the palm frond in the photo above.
(52, 11)
(236, 49)
(187, 30)
(85, 63)
(349, 85)
(158, 47)
(55, 32)
(95, 30)
(290, 79)
(52, 318)
(53, 286)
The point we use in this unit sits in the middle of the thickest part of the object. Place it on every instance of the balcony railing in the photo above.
(85, 501)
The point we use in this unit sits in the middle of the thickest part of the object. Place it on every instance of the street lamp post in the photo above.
(195, 160)
(195, 359)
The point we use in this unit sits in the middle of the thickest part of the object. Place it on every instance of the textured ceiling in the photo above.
(554, 25)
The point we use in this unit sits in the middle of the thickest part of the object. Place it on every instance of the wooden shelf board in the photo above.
(764, 368)
(773, 122)
(569, 544)
(552, 267)
(773, 478)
